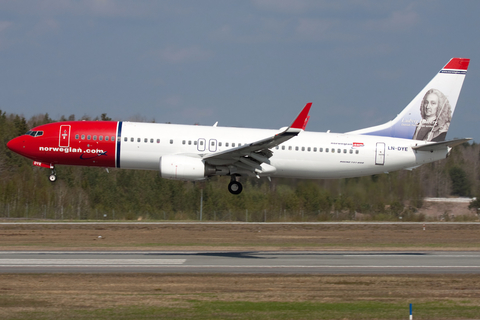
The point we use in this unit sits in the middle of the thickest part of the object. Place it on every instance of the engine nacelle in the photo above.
(180, 167)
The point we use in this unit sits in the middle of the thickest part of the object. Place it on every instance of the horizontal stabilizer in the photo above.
(440, 145)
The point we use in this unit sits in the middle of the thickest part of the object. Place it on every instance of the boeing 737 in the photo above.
(189, 152)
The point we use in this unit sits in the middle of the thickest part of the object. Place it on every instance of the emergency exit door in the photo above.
(64, 136)
(380, 154)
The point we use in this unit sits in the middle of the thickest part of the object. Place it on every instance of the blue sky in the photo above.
(250, 63)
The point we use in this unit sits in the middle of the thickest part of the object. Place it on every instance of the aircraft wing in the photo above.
(440, 145)
(254, 157)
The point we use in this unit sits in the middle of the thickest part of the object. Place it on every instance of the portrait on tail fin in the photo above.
(436, 115)
(427, 117)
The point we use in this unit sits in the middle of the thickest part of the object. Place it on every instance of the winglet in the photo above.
(302, 119)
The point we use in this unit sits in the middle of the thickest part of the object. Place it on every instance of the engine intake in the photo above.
(181, 167)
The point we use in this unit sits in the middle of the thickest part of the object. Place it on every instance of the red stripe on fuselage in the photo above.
(88, 144)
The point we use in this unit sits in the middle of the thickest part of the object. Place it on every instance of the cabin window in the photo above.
(106, 138)
(145, 140)
(132, 139)
(351, 151)
(303, 148)
(283, 147)
(95, 137)
(233, 144)
(315, 149)
(344, 150)
(290, 148)
(138, 139)
(327, 150)
(219, 144)
(195, 142)
(201, 142)
(296, 148)
(171, 141)
(212, 143)
(89, 137)
(277, 147)
(100, 138)
(226, 144)
(309, 149)
(76, 136)
(151, 140)
(158, 140)
(125, 139)
(357, 151)
(113, 138)
(339, 150)
(320, 150)
(183, 142)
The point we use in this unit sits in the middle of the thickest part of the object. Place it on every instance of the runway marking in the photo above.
(105, 252)
(89, 262)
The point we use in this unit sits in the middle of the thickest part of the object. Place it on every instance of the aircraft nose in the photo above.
(16, 145)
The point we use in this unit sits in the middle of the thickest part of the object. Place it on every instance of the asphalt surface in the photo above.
(306, 262)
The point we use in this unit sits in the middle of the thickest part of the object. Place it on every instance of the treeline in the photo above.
(95, 193)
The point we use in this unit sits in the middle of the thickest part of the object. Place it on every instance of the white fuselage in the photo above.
(311, 155)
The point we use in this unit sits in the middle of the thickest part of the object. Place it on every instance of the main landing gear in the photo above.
(53, 176)
(234, 186)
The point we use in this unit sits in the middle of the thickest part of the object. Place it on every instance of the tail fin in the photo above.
(428, 115)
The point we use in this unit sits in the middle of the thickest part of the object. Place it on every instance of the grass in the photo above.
(196, 309)
(218, 296)
(238, 237)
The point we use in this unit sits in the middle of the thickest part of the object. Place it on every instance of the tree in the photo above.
(105, 118)
(460, 183)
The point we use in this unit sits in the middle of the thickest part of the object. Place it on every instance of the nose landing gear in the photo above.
(53, 176)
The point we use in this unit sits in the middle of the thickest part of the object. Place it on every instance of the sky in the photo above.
(243, 63)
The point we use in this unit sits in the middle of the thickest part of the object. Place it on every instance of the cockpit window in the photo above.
(34, 133)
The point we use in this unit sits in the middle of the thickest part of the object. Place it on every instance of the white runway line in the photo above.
(89, 262)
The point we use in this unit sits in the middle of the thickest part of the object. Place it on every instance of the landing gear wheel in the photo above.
(53, 175)
(235, 187)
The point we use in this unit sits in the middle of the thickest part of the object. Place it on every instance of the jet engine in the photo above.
(182, 167)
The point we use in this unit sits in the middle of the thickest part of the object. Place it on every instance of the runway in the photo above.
(305, 262)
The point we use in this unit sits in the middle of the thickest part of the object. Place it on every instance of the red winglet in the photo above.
(302, 119)
(458, 64)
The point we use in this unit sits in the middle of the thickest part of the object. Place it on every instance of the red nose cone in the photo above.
(16, 145)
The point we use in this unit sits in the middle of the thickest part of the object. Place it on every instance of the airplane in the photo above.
(191, 152)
